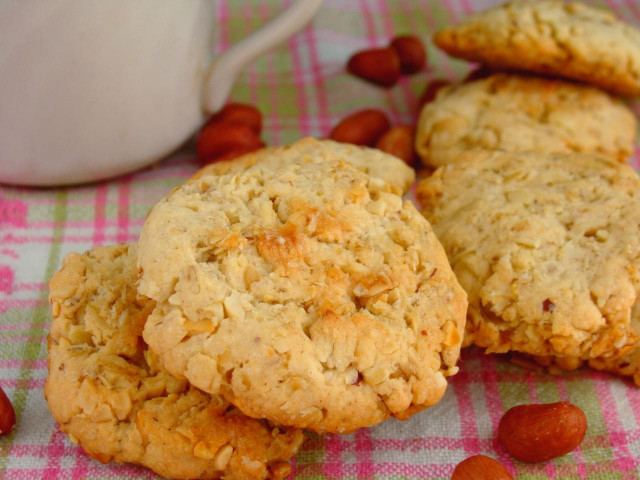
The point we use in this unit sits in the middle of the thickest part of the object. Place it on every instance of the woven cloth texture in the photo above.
(302, 89)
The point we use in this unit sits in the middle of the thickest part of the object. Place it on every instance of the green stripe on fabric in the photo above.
(596, 446)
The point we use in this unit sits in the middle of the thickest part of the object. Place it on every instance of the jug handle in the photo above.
(225, 67)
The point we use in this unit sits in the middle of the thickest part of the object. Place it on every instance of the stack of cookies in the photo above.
(532, 197)
(293, 289)
(290, 289)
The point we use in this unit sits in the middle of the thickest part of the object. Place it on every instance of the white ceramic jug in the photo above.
(94, 88)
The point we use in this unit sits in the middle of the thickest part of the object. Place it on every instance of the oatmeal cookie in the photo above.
(375, 163)
(110, 394)
(309, 295)
(570, 40)
(546, 246)
(627, 365)
(517, 113)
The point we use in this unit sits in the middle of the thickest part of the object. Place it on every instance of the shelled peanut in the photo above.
(231, 132)
(7, 414)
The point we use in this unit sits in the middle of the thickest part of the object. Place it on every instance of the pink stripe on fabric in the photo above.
(79, 197)
(348, 42)
(333, 465)
(16, 363)
(424, 470)
(448, 5)
(67, 449)
(123, 209)
(38, 450)
(563, 393)
(370, 24)
(6, 279)
(410, 445)
(99, 212)
(428, 443)
(88, 223)
(222, 21)
(165, 171)
(495, 406)
(298, 78)
(446, 64)
(373, 42)
(19, 326)
(274, 123)
(516, 375)
(97, 470)
(399, 114)
(12, 239)
(561, 386)
(342, 6)
(617, 436)
(633, 396)
(302, 470)
(10, 303)
(466, 7)
(466, 413)
(633, 6)
(30, 287)
(613, 5)
(364, 454)
(13, 212)
(10, 253)
(250, 70)
(411, 97)
(324, 119)
(54, 454)
(634, 161)
(24, 339)
(180, 166)
(80, 470)
(531, 387)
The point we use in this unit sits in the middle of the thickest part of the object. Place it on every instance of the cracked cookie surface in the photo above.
(375, 163)
(309, 295)
(570, 40)
(110, 394)
(627, 365)
(517, 113)
(546, 246)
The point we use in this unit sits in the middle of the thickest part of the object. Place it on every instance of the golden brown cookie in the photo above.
(375, 163)
(307, 294)
(547, 247)
(110, 395)
(517, 113)
(627, 365)
(569, 40)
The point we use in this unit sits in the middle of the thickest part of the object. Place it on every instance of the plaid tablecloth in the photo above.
(303, 89)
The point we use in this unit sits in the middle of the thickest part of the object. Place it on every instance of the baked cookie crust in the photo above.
(545, 245)
(375, 163)
(569, 40)
(110, 394)
(309, 295)
(517, 113)
(627, 365)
